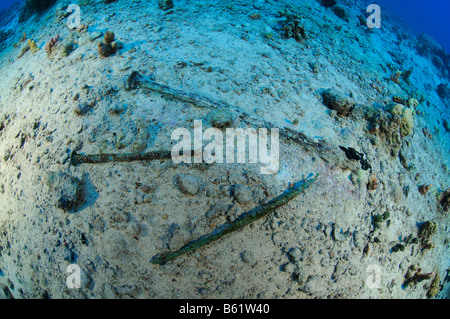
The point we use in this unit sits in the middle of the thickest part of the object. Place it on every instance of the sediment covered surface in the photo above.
(377, 216)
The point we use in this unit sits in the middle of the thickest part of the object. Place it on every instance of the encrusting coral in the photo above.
(407, 123)
(406, 119)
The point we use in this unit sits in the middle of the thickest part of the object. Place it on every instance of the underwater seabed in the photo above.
(93, 204)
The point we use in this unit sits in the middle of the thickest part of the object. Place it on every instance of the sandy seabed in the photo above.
(355, 233)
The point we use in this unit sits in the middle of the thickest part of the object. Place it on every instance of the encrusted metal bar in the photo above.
(325, 151)
(135, 80)
(127, 157)
(77, 159)
(243, 220)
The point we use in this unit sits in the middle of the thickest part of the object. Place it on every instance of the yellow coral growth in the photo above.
(407, 123)
(33, 46)
(397, 109)
(406, 115)
(23, 38)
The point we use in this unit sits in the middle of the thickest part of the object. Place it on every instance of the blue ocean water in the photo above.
(4, 4)
(430, 17)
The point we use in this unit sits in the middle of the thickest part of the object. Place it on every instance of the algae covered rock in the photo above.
(414, 275)
(243, 194)
(292, 28)
(336, 100)
(342, 12)
(445, 200)
(165, 4)
(222, 118)
(426, 231)
(109, 37)
(443, 91)
(105, 50)
(413, 102)
(188, 184)
(67, 191)
(67, 49)
(373, 182)
(25, 48)
(446, 125)
(328, 3)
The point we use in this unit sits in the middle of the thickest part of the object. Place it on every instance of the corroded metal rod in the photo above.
(76, 158)
(127, 157)
(325, 151)
(243, 220)
(135, 80)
